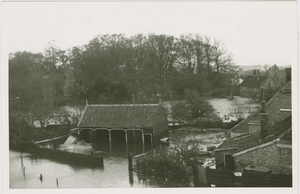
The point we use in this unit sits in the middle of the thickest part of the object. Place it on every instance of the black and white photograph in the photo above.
(143, 95)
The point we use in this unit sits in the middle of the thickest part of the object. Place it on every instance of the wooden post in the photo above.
(109, 136)
(138, 169)
(151, 142)
(202, 176)
(130, 168)
(22, 161)
(126, 139)
(23, 171)
(57, 182)
(196, 176)
(143, 139)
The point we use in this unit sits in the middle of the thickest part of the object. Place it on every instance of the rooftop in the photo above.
(281, 100)
(239, 143)
(253, 81)
(280, 128)
(122, 116)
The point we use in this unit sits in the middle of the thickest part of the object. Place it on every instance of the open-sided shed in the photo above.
(125, 124)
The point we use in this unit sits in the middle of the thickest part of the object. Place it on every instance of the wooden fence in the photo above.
(226, 178)
(150, 154)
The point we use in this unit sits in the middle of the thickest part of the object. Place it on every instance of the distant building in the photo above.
(252, 84)
(69, 83)
(281, 77)
(123, 125)
(263, 141)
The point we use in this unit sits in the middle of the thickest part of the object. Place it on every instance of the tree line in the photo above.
(117, 67)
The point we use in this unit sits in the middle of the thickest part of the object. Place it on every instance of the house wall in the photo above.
(279, 160)
(219, 156)
(255, 92)
(69, 82)
(270, 82)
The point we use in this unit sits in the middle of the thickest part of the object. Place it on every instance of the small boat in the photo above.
(71, 149)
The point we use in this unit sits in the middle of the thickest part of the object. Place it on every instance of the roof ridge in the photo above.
(82, 115)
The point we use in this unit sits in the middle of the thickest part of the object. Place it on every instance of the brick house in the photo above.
(263, 141)
(281, 76)
(124, 124)
(252, 84)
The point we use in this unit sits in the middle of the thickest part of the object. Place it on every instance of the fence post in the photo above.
(202, 176)
(130, 168)
(196, 176)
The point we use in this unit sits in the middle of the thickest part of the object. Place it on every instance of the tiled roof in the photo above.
(252, 81)
(274, 131)
(287, 88)
(240, 143)
(281, 100)
(272, 70)
(288, 135)
(122, 116)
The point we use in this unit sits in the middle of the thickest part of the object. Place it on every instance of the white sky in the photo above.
(254, 32)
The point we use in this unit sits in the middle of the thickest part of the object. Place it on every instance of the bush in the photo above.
(192, 108)
(163, 173)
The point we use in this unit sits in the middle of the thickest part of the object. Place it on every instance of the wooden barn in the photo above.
(123, 125)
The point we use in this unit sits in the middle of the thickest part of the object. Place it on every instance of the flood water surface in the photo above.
(114, 174)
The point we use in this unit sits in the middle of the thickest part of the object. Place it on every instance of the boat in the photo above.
(71, 150)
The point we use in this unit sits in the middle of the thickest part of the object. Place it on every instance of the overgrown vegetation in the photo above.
(192, 108)
(174, 166)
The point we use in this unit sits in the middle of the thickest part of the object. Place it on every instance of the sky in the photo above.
(254, 32)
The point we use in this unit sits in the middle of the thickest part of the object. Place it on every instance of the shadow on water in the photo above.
(119, 148)
(75, 165)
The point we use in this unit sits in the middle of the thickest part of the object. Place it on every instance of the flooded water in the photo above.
(225, 106)
(114, 174)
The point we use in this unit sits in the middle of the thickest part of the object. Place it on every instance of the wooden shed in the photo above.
(123, 125)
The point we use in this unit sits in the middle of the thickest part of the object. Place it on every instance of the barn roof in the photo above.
(122, 116)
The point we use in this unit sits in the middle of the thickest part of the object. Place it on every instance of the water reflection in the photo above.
(69, 174)
(73, 164)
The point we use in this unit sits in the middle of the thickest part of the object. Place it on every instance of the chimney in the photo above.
(263, 119)
(263, 102)
(257, 74)
(227, 135)
(254, 128)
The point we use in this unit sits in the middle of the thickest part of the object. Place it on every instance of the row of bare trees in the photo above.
(141, 64)
(116, 66)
